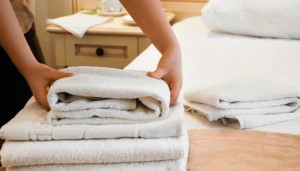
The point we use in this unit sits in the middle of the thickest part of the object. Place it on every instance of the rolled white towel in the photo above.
(97, 95)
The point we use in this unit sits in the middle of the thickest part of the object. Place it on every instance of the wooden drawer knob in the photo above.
(99, 52)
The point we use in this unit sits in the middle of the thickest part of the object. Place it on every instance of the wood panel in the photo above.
(181, 8)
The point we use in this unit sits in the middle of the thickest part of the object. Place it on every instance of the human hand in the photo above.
(40, 78)
(170, 70)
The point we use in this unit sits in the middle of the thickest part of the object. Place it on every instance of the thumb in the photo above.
(61, 74)
(158, 73)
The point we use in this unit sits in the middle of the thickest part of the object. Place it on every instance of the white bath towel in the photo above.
(171, 165)
(107, 151)
(97, 95)
(31, 124)
(252, 102)
(78, 24)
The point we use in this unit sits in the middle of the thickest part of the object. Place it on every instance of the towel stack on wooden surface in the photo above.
(100, 119)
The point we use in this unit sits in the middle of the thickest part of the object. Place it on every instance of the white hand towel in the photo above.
(31, 124)
(108, 151)
(252, 102)
(96, 95)
(78, 24)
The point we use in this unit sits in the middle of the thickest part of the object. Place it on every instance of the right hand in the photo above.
(169, 69)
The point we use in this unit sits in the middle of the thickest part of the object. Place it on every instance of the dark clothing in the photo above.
(15, 91)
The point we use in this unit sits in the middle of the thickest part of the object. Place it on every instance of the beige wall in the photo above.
(49, 9)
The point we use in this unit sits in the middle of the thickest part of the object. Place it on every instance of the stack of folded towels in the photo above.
(245, 102)
(100, 119)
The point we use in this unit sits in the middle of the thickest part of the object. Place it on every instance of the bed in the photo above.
(210, 58)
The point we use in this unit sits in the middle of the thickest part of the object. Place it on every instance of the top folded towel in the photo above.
(78, 24)
(253, 102)
(97, 95)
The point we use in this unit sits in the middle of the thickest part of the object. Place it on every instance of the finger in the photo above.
(41, 98)
(175, 91)
(158, 73)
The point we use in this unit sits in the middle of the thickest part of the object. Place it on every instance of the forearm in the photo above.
(13, 40)
(149, 16)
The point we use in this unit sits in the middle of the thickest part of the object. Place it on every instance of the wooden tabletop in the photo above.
(227, 150)
(115, 26)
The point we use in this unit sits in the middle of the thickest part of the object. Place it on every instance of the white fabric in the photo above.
(210, 58)
(78, 24)
(267, 18)
(246, 94)
(172, 165)
(31, 124)
(252, 102)
(98, 95)
(126, 150)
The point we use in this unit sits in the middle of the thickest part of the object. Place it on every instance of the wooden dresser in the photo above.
(112, 44)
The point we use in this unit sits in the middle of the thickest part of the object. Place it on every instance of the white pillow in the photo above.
(261, 18)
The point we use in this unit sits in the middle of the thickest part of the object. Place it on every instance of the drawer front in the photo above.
(105, 51)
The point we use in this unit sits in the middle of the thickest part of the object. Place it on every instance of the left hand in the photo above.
(39, 79)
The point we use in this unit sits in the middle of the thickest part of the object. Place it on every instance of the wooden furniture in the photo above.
(227, 150)
(113, 44)
(181, 8)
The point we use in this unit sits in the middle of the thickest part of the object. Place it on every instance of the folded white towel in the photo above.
(78, 24)
(31, 124)
(171, 165)
(96, 95)
(107, 151)
(252, 102)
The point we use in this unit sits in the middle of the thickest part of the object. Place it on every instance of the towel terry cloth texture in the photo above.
(108, 151)
(172, 165)
(31, 124)
(153, 139)
(78, 24)
(251, 102)
(99, 95)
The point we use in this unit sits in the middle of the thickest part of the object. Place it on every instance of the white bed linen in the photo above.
(211, 58)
